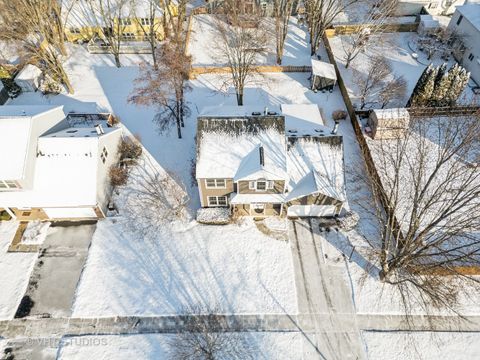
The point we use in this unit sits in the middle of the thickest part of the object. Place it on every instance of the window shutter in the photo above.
(271, 184)
(251, 185)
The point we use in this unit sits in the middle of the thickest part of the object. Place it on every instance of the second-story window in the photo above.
(125, 21)
(145, 21)
(215, 183)
(74, 30)
(104, 155)
(261, 185)
(460, 18)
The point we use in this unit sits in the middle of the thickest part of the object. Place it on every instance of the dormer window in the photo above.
(8, 185)
(215, 183)
(261, 185)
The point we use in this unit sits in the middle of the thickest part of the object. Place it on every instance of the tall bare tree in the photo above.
(374, 23)
(147, 19)
(378, 83)
(320, 15)
(165, 86)
(429, 180)
(110, 17)
(243, 38)
(37, 26)
(282, 9)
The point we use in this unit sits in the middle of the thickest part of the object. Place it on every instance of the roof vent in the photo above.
(272, 113)
(262, 156)
(99, 129)
(256, 113)
(335, 128)
(265, 111)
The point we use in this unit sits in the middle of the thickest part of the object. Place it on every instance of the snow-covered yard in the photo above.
(205, 44)
(262, 346)
(422, 345)
(15, 269)
(398, 49)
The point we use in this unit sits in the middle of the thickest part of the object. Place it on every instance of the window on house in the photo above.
(74, 30)
(217, 201)
(432, 5)
(127, 36)
(145, 21)
(8, 184)
(125, 21)
(104, 155)
(471, 57)
(215, 183)
(460, 18)
(261, 185)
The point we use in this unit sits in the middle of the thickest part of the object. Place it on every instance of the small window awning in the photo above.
(323, 69)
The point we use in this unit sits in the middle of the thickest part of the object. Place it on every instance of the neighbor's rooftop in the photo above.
(471, 12)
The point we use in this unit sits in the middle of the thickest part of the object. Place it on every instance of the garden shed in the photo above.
(323, 75)
(29, 78)
(384, 124)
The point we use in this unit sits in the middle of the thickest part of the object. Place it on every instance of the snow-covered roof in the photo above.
(315, 165)
(239, 111)
(472, 13)
(323, 69)
(392, 114)
(303, 119)
(229, 147)
(15, 133)
(29, 72)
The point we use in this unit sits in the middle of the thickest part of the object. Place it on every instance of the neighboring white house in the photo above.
(433, 7)
(55, 165)
(466, 21)
(29, 78)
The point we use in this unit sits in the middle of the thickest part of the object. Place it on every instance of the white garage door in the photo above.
(311, 210)
(70, 213)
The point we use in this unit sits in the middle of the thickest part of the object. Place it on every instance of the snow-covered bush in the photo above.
(50, 86)
(13, 90)
(339, 115)
(130, 149)
(118, 175)
(213, 216)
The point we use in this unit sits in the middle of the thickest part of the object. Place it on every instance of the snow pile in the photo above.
(349, 221)
(276, 223)
(214, 216)
(15, 269)
(35, 233)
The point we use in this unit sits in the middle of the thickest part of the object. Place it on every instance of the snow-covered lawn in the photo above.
(398, 49)
(15, 269)
(422, 345)
(262, 346)
(232, 269)
(204, 45)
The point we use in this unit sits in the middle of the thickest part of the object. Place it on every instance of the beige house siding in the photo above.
(278, 187)
(206, 192)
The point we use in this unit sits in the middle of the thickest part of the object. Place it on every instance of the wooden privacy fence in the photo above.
(354, 28)
(260, 68)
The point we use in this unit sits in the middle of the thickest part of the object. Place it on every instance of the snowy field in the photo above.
(231, 269)
(422, 345)
(397, 48)
(15, 269)
(205, 41)
(262, 346)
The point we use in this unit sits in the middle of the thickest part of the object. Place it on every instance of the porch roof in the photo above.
(256, 198)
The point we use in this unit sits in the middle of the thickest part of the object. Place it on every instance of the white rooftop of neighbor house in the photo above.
(303, 119)
(392, 114)
(240, 111)
(471, 12)
(15, 129)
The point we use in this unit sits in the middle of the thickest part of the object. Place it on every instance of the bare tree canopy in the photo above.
(164, 86)
(38, 27)
(242, 40)
(320, 15)
(282, 9)
(430, 180)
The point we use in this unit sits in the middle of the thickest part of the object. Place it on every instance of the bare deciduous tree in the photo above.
(110, 18)
(206, 336)
(242, 40)
(320, 15)
(430, 180)
(441, 41)
(282, 9)
(378, 82)
(165, 86)
(375, 21)
(38, 28)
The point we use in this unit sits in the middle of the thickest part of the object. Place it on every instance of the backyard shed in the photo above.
(323, 75)
(29, 78)
(388, 123)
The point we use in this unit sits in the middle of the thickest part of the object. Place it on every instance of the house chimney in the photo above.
(335, 128)
(99, 129)
(262, 156)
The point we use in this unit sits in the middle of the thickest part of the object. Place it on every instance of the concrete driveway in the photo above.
(58, 269)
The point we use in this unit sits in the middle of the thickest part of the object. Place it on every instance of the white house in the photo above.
(55, 165)
(433, 7)
(466, 21)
